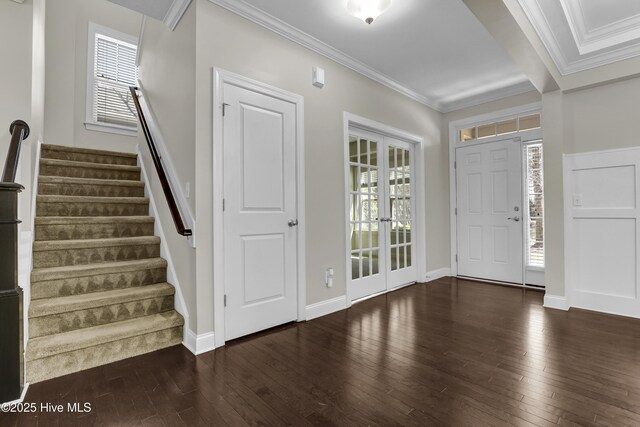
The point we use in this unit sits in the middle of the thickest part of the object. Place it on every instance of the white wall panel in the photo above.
(601, 225)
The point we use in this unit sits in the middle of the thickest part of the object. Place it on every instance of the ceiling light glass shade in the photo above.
(367, 10)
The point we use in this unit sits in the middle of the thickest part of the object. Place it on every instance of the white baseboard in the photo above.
(437, 274)
(556, 302)
(198, 344)
(323, 308)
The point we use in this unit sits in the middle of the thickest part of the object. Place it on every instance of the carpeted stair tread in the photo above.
(65, 220)
(88, 227)
(90, 199)
(88, 165)
(58, 253)
(52, 245)
(50, 345)
(49, 306)
(70, 271)
(80, 169)
(53, 147)
(44, 179)
(78, 360)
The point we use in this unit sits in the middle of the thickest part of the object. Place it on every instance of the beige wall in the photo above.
(15, 72)
(167, 74)
(232, 43)
(66, 70)
(595, 119)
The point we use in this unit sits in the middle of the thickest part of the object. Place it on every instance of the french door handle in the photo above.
(385, 219)
(292, 222)
(514, 218)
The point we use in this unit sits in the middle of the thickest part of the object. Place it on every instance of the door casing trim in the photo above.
(457, 125)
(349, 120)
(220, 78)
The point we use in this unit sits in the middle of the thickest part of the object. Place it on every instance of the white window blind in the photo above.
(114, 71)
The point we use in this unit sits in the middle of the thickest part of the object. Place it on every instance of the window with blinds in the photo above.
(114, 69)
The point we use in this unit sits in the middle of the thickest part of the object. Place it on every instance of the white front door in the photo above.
(381, 200)
(489, 211)
(260, 232)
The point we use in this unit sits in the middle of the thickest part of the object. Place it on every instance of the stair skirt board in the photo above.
(99, 290)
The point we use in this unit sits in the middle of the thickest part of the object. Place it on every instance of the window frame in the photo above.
(527, 217)
(90, 123)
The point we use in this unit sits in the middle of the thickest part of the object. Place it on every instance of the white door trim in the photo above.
(220, 78)
(419, 150)
(454, 127)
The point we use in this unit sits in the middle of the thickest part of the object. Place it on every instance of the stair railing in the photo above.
(162, 175)
(11, 331)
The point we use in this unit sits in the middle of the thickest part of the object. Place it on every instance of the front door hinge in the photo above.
(456, 261)
(223, 204)
(455, 164)
(225, 300)
(224, 108)
(456, 211)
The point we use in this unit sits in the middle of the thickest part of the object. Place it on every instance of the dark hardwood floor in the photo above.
(452, 352)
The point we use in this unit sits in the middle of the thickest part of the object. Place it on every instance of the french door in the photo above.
(381, 200)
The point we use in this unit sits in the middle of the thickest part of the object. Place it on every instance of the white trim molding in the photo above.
(324, 308)
(172, 175)
(257, 16)
(492, 95)
(220, 78)
(556, 302)
(198, 344)
(175, 13)
(437, 274)
(611, 50)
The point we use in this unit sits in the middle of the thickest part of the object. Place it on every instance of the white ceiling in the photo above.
(154, 8)
(433, 50)
(584, 34)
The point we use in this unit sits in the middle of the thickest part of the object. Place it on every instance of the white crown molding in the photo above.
(535, 14)
(493, 95)
(269, 22)
(175, 13)
(247, 11)
(604, 37)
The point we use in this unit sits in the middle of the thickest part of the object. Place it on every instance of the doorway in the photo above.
(489, 211)
(381, 231)
(259, 189)
(497, 197)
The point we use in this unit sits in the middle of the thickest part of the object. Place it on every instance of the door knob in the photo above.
(292, 222)
(514, 218)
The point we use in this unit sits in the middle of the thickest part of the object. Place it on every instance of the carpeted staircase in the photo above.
(98, 285)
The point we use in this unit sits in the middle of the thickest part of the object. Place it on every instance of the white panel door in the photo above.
(260, 201)
(381, 225)
(489, 218)
(601, 202)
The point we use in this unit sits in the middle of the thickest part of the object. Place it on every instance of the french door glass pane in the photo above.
(400, 207)
(363, 186)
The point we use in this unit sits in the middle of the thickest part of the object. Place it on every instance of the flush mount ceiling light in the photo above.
(367, 10)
